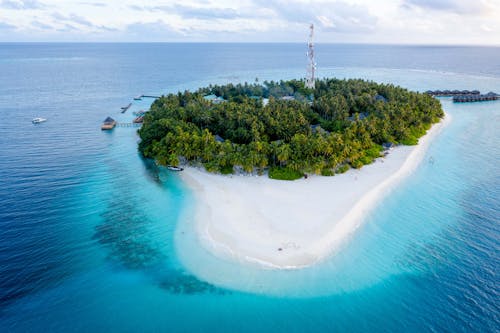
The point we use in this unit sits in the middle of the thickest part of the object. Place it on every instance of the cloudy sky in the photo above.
(355, 21)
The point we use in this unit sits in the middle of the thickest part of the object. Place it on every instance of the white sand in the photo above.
(249, 218)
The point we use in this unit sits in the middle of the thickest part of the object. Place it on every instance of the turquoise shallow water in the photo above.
(88, 228)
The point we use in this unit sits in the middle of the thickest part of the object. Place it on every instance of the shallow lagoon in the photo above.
(88, 228)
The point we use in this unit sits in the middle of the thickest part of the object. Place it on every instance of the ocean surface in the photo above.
(89, 230)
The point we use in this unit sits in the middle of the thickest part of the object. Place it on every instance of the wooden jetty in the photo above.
(150, 96)
(108, 124)
(125, 108)
(128, 124)
(138, 98)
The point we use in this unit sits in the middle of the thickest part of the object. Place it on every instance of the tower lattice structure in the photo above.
(311, 66)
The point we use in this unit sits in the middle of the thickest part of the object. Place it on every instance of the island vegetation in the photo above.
(285, 127)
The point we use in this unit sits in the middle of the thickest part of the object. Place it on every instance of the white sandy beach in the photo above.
(284, 224)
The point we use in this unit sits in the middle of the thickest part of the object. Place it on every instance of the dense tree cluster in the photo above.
(284, 125)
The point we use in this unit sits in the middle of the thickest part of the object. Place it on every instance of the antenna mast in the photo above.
(311, 66)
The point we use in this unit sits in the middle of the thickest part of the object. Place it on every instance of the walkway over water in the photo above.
(128, 125)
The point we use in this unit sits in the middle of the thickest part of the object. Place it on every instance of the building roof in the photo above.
(109, 120)
(362, 116)
(210, 97)
(218, 138)
(388, 145)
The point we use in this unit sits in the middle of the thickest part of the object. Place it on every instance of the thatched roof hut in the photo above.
(108, 123)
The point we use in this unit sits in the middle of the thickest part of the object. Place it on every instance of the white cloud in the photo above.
(21, 4)
(454, 6)
(383, 21)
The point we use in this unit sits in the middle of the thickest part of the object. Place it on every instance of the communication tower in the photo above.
(311, 66)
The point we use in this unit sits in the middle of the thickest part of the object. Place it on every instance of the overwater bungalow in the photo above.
(108, 124)
(138, 120)
(491, 96)
(446, 93)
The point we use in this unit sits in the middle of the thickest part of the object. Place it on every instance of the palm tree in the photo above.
(284, 152)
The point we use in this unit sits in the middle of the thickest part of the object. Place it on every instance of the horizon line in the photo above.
(256, 42)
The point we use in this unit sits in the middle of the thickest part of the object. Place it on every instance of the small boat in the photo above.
(38, 120)
(174, 168)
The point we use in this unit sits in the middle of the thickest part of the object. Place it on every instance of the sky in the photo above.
(456, 22)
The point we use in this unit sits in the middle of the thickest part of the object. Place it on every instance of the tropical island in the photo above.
(286, 130)
(285, 127)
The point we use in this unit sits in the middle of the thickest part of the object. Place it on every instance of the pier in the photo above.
(128, 124)
(125, 108)
(140, 97)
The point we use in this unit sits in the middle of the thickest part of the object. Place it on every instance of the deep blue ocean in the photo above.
(88, 228)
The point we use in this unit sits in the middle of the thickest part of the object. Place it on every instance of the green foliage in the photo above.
(409, 141)
(357, 163)
(339, 122)
(283, 173)
(327, 172)
(226, 170)
(374, 151)
(342, 168)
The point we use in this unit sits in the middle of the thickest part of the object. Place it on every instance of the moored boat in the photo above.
(174, 168)
(38, 120)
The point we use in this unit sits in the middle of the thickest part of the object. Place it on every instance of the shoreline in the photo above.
(290, 225)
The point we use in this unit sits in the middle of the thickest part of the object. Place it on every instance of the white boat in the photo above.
(174, 168)
(38, 120)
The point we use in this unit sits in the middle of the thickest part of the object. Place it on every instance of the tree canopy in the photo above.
(283, 125)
